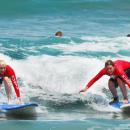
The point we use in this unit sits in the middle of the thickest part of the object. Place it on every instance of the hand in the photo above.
(83, 90)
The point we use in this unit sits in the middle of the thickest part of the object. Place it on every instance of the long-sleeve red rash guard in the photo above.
(120, 67)
(9, 72)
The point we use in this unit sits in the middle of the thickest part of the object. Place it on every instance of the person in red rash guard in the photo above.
(7, 74)
(119, 72)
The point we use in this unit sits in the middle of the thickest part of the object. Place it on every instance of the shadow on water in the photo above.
(13, 116)
(125, 115)
(21, 117)
(76, 106)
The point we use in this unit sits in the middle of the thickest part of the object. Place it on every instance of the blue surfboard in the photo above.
(117, 105)
(17, 106)
(122, 106)
(17, 110)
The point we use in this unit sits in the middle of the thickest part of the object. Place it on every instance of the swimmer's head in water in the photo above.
(58, 34)
(110, 67)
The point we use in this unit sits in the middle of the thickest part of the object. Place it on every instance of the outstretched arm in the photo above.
(15, 85)
(93, 80)
(9, 72)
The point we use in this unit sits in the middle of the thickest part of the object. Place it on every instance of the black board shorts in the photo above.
(1, 80)
(115, 80)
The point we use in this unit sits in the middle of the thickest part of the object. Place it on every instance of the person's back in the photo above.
(124, 64)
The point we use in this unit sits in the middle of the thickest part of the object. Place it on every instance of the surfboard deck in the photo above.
(122, 106)
(117, 105)
(17, 110)
(17, 106)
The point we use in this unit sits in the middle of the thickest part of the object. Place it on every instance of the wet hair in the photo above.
(128, 35)
(109, 62)
(59, 33)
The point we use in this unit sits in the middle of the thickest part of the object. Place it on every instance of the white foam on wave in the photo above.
(63, 74)
(58, 74)
(98, 44)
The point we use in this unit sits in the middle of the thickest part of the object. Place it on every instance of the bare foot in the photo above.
(125, 101)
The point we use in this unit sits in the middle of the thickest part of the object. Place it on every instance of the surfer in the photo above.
(7, 75)
(119, 72)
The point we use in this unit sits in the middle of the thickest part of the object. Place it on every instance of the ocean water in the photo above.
(51, 71)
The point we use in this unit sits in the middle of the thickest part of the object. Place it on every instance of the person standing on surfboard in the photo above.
(119, 72)
(7, 75)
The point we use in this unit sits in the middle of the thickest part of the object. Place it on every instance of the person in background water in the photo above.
(7, 75)
(128, 35)
(119, 72)
(59, 34)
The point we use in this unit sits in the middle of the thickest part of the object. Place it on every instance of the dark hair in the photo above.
(59, 33)
(128, 35)
(109, 62)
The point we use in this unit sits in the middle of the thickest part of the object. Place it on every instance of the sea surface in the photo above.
(51, 70)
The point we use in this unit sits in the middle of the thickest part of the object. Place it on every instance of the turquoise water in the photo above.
(52, 70)
(91, 124)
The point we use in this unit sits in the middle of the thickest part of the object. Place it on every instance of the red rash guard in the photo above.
(120, 67)
(9, 72)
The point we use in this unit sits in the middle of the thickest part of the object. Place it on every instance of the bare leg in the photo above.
(8, 88)
(122, 87)
(112, 88)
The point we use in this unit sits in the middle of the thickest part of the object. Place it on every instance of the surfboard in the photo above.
(17, 106)
(125, 108)
(122, 106)
(17, 110)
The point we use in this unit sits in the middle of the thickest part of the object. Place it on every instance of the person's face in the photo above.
(2, 69)
(110, 69)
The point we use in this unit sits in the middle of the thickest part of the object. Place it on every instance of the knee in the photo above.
(119, 80)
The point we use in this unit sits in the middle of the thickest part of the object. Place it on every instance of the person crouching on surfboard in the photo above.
(7, 75)
(119, 72)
